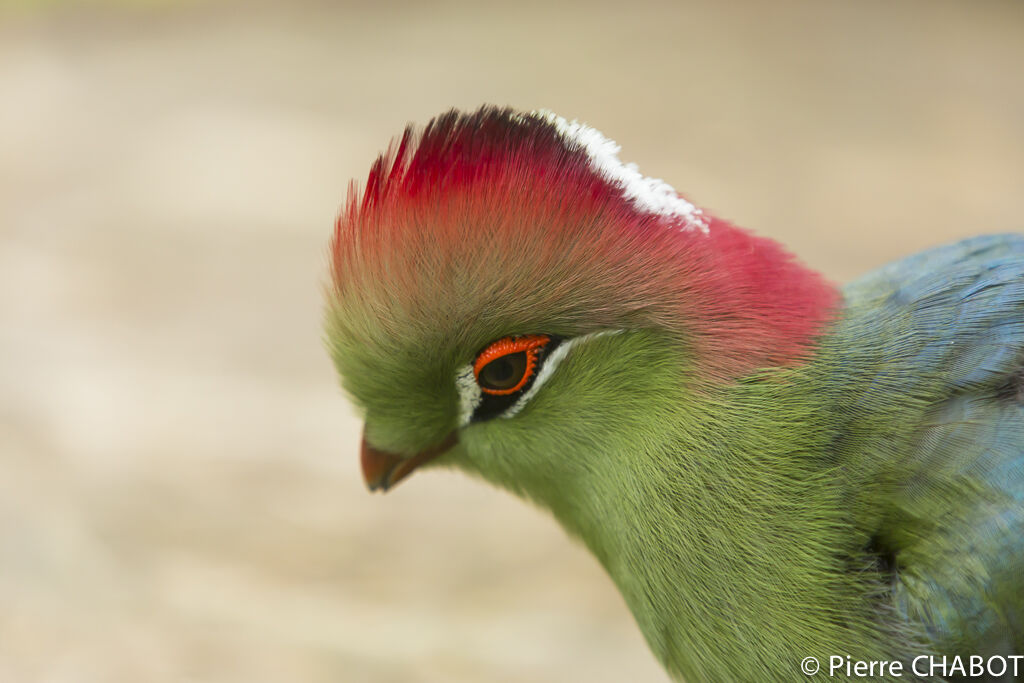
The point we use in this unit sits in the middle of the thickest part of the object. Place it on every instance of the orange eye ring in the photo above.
(531, 344)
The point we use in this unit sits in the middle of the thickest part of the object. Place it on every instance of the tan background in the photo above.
(179, 491)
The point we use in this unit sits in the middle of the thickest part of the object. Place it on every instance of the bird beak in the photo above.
(382, 470)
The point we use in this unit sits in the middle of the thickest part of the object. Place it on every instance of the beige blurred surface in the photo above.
(179, 491)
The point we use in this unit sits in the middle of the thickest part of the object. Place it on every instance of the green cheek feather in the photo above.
(769, 468)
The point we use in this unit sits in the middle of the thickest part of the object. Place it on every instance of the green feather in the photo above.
(865, 504)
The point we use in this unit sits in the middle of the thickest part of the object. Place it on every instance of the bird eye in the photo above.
(507, 365)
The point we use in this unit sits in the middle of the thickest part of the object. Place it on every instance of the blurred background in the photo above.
(180, 497)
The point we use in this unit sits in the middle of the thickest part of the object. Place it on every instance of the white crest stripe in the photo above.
(650, 195)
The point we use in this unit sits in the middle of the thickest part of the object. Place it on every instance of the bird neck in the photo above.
(726, 541)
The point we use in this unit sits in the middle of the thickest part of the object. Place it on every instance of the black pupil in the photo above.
(505, 372)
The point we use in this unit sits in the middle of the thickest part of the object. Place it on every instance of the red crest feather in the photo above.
(523, 218)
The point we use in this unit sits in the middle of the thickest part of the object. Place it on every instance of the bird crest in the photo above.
(495, 222)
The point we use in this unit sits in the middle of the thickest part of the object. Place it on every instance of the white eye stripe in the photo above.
(470, 395)
(548, 369)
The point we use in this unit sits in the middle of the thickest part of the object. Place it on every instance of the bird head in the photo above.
(509, 298)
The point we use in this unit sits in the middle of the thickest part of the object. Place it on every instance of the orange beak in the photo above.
(382, 470)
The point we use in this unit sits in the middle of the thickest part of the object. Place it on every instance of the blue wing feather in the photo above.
(931, 396)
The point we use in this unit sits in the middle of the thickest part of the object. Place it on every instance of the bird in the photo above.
(770, 467)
